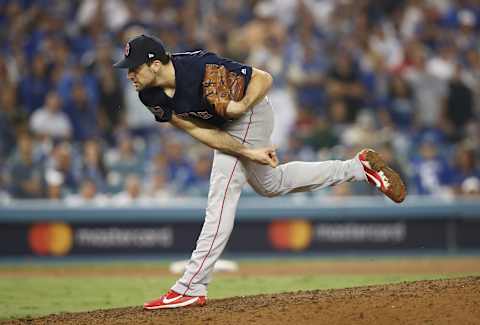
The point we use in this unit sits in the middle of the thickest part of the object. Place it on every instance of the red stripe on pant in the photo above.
(221, 211)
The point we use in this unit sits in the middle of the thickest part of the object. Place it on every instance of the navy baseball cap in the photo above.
(140, 50)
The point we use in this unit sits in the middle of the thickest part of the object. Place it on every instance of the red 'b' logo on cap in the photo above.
(126, 50)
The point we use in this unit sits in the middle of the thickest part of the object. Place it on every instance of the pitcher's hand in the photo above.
(264, 156)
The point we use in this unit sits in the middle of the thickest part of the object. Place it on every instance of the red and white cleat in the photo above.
(173, 299)
(381, 176)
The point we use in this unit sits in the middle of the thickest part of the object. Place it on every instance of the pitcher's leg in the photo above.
(226, 183)
(301, 176)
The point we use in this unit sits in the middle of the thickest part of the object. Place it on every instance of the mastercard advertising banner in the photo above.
(286, 236)
(50, 239)
(63, 239)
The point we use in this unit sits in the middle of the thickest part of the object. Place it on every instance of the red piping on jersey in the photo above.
(221, 211)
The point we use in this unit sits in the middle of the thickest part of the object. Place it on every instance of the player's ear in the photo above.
(156, 65)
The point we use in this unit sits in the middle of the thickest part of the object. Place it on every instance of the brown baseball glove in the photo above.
(221, 86)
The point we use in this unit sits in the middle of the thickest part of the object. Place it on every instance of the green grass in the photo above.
(41, 295)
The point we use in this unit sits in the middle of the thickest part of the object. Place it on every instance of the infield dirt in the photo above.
(450, 301)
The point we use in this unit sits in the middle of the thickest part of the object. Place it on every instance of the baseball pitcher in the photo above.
(223, 104)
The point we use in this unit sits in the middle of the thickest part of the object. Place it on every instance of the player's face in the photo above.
(141, 76)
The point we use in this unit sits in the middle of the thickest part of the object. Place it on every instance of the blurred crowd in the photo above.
(402, 77)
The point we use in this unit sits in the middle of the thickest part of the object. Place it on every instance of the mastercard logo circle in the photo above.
(50, 238)
(293, 235)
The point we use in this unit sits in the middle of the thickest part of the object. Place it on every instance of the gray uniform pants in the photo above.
(229, 175)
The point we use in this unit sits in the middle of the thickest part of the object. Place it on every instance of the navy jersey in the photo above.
(188, 99)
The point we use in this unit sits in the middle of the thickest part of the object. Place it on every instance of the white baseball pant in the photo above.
(229, 175)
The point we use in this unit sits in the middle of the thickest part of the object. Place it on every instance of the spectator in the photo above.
(384, 42)
(322, 135)
(54, 182)
(360, 133)
(467, 26)
(471, 188)
(431, 173)
(113, 12)
(123, 161)
(82, 114)
(296, 150)
(471, 74)
(344, 84)
(87, 195)
(157, 185)
(201, 176)
(74, 75)
(271, 55)
(442, 66)
(34, 85)
(428, 90)
(49, 122)
(93, 166)
(459, 107)
(465, 167)
(400, 111)
(12, 119)
(62, 160)
(308, 65)
(338, 115)
(111, 104)
(375, 78)
(24, 172)
(132, 192)
(60, 55)
(179, 169)
(307, 76)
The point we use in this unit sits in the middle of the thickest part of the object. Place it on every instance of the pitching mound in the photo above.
(452, 301)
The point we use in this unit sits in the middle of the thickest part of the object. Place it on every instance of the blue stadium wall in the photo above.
(274, 226)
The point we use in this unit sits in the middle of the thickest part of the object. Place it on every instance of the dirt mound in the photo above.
(452, 301)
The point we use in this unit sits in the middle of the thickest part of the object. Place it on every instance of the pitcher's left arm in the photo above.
(257, 89)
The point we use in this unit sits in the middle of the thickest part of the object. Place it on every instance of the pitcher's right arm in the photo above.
(222, 141)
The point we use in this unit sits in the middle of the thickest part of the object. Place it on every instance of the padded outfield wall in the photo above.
(274, 226)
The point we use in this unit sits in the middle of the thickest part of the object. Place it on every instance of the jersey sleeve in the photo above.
(153, 99)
